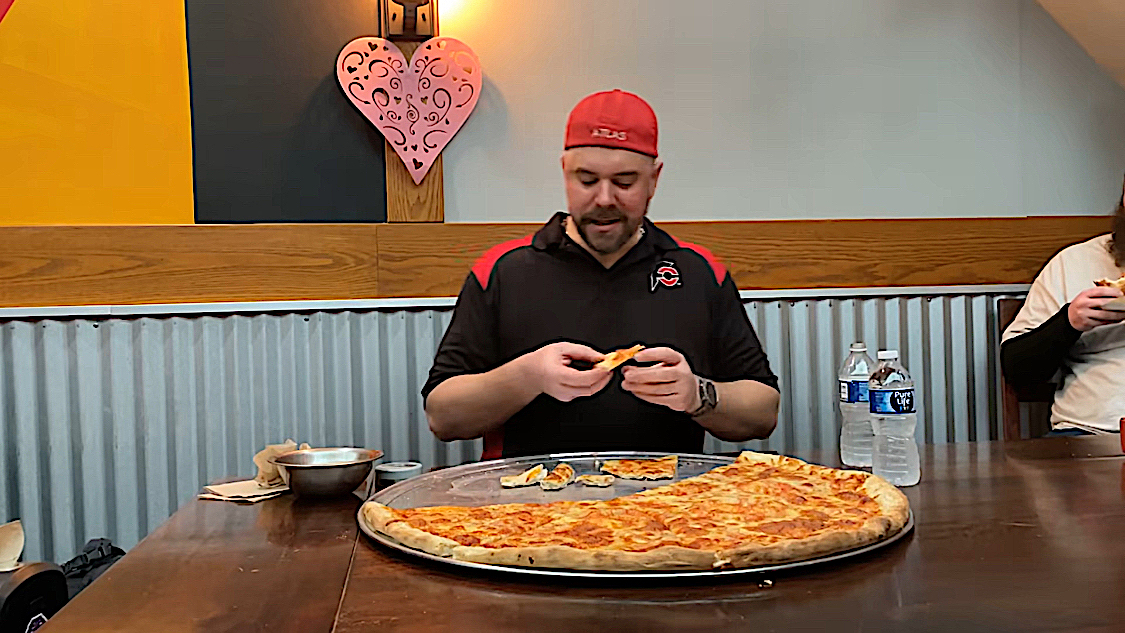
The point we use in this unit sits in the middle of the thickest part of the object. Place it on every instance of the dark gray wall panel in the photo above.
(275, 139)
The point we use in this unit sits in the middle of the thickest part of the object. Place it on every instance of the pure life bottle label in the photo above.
(892, 401)
(853, 391)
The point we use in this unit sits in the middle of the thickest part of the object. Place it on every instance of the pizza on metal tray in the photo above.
(761, 509)
(660, 468)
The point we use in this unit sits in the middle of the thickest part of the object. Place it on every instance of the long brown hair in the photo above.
(1117, 242)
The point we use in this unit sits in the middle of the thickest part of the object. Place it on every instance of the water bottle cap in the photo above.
(888, 354)
(859, 347)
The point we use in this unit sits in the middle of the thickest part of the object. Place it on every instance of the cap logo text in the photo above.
(601, 132)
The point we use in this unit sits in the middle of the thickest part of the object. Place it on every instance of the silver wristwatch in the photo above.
(708, 397)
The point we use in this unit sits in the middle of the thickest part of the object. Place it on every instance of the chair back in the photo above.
(1034, 398)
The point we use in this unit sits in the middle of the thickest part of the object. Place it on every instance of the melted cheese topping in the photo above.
(742, 503)
(662, 468)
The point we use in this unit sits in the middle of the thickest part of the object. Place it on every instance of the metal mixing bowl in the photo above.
(325, 471)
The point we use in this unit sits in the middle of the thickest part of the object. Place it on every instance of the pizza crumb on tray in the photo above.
(599, 481)
(561, 477)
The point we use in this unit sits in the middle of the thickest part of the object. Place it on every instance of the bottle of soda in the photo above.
(893, 418)
(855, 412)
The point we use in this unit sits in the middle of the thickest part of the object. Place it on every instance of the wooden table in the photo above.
(1027, 536)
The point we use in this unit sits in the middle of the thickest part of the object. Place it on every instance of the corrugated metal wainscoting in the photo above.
(110, 424)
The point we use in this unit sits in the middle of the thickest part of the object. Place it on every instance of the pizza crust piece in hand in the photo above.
(1106, 283)
(529, 477)
(599, 481)
(560, 477)
(662, 468)
(613, 359)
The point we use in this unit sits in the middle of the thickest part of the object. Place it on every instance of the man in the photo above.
(536, 313)
(1066, 325)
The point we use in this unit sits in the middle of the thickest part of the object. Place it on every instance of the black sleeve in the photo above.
(1036, 355)
(469, 345)
(738, 354)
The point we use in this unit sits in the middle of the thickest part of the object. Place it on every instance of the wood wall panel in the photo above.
(120, 265)
(433, 260)
(838, 253)
(407, 202)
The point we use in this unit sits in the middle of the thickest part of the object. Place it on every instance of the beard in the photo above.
(611, 241)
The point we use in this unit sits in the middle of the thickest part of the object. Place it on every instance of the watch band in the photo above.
(708, 397)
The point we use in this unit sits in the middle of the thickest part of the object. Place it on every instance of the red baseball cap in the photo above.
(615, 119)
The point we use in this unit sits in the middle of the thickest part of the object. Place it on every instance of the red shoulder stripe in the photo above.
(483, 268)
(493, 445)
(716, 265)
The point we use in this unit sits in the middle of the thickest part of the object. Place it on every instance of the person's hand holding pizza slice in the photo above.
(553, 368)
(1086, 313)
(670, 382)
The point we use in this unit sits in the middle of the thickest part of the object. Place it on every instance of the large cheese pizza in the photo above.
(761, 509)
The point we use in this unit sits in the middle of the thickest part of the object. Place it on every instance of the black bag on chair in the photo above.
(96, 557)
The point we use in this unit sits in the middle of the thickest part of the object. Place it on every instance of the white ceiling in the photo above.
(1099, 26)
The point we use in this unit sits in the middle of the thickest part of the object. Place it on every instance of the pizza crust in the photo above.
(762, 458)
(382, 519)
(563, 557)
(803, 549)
(560, 477)
(1111, 283)
(615, 358)
(529, 477)
(598, 481)
(895, 505)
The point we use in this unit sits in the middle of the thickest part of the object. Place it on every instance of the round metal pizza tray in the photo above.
(478, 484)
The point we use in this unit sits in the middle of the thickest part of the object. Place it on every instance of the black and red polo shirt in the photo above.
(546, 288)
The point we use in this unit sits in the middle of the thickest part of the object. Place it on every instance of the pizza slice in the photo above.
(613, 359)
(1106, 283)
(599, 481)
(559, 478)
(662, 468)
(529, 477)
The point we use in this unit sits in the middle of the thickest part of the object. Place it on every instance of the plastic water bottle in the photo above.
(893, 418)
(855, 412)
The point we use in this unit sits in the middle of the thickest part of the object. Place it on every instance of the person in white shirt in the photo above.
(1070, 326)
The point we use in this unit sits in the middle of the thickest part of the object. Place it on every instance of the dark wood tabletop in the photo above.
(1023, 536)
(278, 565)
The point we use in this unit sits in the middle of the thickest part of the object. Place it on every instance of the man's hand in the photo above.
(1085, 311)
(671, 383)
(550, 368)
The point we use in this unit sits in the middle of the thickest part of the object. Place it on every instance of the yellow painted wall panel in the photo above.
(95, 120)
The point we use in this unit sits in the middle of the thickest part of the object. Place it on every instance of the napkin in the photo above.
(247, 491)
(268, 475)
(11, 545)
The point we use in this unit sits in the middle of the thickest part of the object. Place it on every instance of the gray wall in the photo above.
(797, 108)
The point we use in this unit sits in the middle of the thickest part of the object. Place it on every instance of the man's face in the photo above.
(607, 194)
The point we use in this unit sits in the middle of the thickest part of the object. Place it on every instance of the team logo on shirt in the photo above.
(666, 274)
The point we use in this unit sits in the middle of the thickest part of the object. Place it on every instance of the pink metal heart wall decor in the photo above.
(417, 106)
